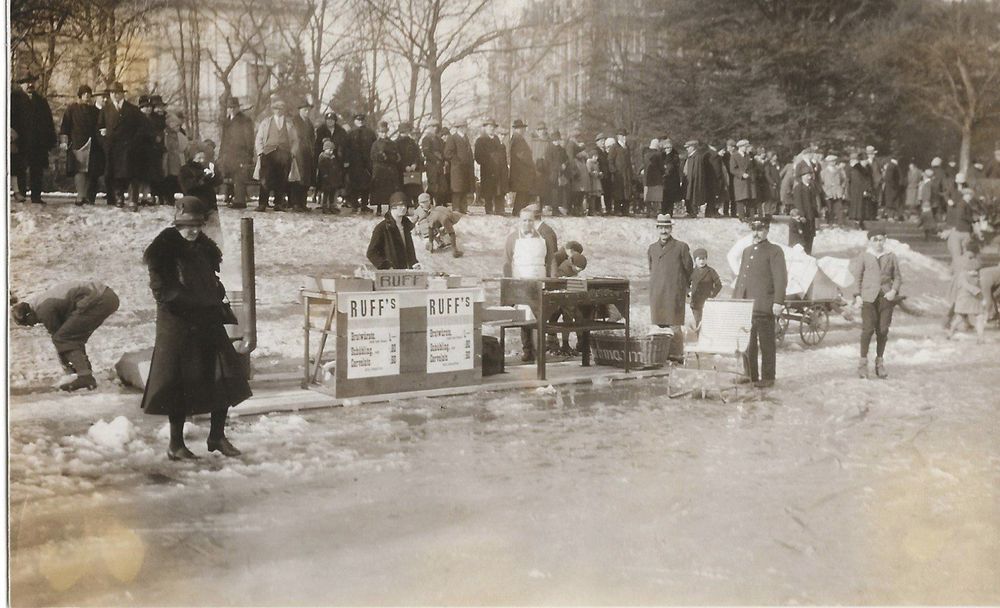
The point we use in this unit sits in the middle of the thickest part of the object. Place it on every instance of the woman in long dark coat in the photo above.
(195, 369)
(386, 177)
(673, 178)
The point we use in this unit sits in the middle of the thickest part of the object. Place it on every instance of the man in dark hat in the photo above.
(670, 268)
(84, 157)
(432, 148)
(236, 153)
(807, 201)
(763, 278)
(557, 162)
(411, 163)
(522, 167)
(461, 171)
(698, 175)
(387, 179)
(275, 143)
(147, 154)
(31, 120)
(492, 158)
(71, 311)
(304, 156)
(119, 123)
(359, 164)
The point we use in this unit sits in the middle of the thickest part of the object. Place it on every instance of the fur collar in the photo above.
(169, 245)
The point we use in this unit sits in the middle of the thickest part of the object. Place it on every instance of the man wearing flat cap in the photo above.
(84, 157)
(119, 123)
(763, 278)
(491, 156)
(360, 139)
(31, 119)
(670, 267)
(432, 148)
(236, 153)
(742, 170)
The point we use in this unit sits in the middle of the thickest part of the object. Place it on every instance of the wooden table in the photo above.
(584, 296)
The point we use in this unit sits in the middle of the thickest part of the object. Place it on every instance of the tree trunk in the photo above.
(411, 98)
(435, 77)
(966, 148)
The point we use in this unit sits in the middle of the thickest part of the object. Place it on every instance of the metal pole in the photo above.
(249, 321)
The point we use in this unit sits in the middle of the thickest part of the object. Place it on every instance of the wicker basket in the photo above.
(643, 353)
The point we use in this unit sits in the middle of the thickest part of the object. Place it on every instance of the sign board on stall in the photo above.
(450, 330)
(373, 340)
(398, 280)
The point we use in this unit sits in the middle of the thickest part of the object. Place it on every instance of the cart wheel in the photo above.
(812, 328)
(780, 329)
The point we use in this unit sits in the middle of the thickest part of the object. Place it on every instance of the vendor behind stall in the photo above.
(391, 246)
(529, 255)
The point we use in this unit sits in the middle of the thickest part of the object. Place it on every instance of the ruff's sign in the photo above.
(450, 330)
(397, 280)
(372, 333)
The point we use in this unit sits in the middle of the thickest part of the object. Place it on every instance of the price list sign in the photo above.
(450, 330)
(372, 333)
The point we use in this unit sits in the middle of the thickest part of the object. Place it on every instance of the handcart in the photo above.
(811, 309)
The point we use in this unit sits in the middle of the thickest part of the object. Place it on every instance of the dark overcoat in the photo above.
(31, 117)
(337, 135)
(742, 170)
(893, 186)
(306, 153)
(653, 168)
(461, 171)
(432, 147)
(409, 153)
(195, 369)
(699, 177)
(763, 277)
(670, 267)
(146, 151)
(122, 127)
(618, 161)
(386, 176)
(522, 166)
(490, 155)
(359, 157)
(673, 179)
(79, 124)
(195, 182)
(388, 249)
(859, 190)
(236, 147)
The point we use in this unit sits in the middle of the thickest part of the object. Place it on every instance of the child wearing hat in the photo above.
(705, 284)
(571, 262)
(330, 171)
(436, 224)
(877, 281)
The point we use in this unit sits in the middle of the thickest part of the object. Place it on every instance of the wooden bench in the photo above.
(722, 343)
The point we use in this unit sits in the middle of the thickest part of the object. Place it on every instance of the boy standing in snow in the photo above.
(70, 311)
(876, 288)
(331, 177)
(705, 284)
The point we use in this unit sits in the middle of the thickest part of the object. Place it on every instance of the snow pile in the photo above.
(112, 435)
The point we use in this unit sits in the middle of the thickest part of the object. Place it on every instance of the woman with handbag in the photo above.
(194, 369)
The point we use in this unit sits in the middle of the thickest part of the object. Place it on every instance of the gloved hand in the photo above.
(777, 309)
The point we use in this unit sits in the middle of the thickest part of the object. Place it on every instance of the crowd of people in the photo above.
(143, 156)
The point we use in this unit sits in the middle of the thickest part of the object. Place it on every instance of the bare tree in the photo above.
(947, 59)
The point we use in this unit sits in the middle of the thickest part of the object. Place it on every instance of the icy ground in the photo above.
(827, 489)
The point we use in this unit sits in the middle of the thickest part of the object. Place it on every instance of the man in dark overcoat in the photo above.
(359, 163)
(432, 147)
(807, 200)
(236, 153)
(522, 167)
(411, 164)
(119, 122)
(763, 279)
(893, 189)
(619, 164)
(670, 267)
(305, 155)
(605, 176)
(461, 170)
(489, 154)
(742, 170)
(31, 118)
(84, 156)
(386, 177)
(698, 176)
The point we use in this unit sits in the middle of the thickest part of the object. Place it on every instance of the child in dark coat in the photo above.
(705, 284)
(331, 177)
(571, 261)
